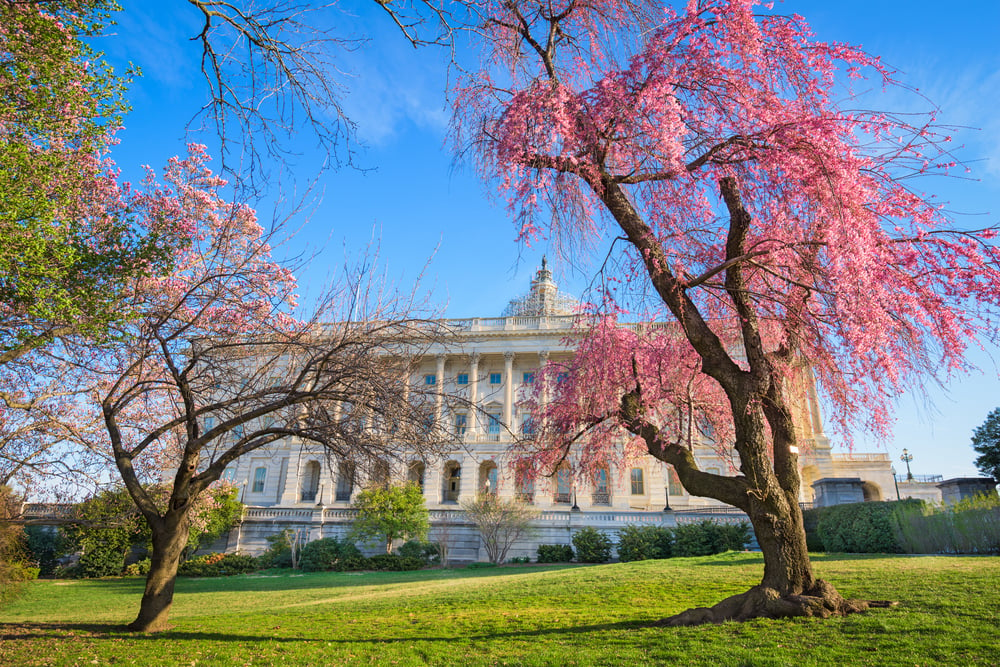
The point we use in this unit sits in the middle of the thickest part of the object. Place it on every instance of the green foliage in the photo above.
(986, 442)
(327, 553)
(45, 545)
(279, 551)
(971, 526)
(708, 537)
(110, 527)
(390, 513)
(13, 568)
(519, 560)
(139, 568)
(810, 521)
(68, 251)
(428, 552)
(555, 553)
(592, 546)
(395, 563)
(860, 528)
(644, 542)
(218, 565)
(481, 565)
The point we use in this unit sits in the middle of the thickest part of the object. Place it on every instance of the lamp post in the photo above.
(895, 481)
(906, 458)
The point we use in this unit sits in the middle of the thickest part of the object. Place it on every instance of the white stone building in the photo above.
(489, 363)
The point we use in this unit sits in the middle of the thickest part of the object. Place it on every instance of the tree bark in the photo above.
(170, 536)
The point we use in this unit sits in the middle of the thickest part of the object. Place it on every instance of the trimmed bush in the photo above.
(861, 528)
(707, 537)
(216, 565)
(592, 546)
(395, 563)
(644, 542)
(326, 553)
(428, 552)
(555, 553)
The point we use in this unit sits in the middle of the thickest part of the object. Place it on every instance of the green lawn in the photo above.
(568, 615)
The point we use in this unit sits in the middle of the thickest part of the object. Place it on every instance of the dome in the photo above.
(544, 298)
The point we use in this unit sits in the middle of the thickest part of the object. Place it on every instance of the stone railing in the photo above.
(861, 457)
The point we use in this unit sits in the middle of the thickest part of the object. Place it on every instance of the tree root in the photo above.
(821, 601)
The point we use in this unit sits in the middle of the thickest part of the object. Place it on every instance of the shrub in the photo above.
(101, 562)
(428, 552)
(810, 521)
(326, 553)
(138, 569)
(217, 565)
(643, 542)
(555, 553)
(971, 526)
(860, 528)
(592, 546)
(45, 546)
(707, 537)
(519, 560)
(395, 563)
(353, 564)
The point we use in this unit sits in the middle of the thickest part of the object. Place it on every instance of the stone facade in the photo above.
(490, 363)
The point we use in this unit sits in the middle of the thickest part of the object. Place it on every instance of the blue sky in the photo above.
(422, 205)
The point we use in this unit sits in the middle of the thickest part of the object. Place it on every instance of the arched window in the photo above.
(488, 477)
(380, 474)
(674, 486)
(563, 493)
(452, 482)
(309, 484)
(345, 482)
(415, 475)
(524, 482)
(602, 493)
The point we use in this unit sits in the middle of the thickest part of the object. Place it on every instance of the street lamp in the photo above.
(906, 458)
(895, 481)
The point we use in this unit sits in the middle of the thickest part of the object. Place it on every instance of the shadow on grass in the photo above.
(290, 580)
(115, 632)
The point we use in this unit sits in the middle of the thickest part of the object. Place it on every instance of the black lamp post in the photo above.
(666, 492)
(906, 458)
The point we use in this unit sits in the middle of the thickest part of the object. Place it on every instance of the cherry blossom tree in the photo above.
(776, 228)
(214, 364)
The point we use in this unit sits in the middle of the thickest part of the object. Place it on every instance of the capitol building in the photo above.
(489, 363)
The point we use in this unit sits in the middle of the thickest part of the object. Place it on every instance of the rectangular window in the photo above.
(494, 424)
(528, 377)
(430, 379)
(209, 423)
(496, 378)
(463, 378)
(561, 377)
(527, 425)
(461, 423)
(228, 475)
(638, 487)
(258, 480)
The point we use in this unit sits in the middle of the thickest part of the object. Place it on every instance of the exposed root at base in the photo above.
(821, 601)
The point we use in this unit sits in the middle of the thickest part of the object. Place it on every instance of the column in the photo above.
(439, 386)
(473, 420)
(508, 390)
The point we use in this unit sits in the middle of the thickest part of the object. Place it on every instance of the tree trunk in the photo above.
(170, 537)
(788, 588)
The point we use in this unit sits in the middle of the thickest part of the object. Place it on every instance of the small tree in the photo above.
(391, 512)
(986, 442)
(501, 523)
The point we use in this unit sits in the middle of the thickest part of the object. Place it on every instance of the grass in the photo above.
(554, 615)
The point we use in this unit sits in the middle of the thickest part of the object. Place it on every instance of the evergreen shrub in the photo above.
(592, 546)
(555, 553)
(326, 554)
